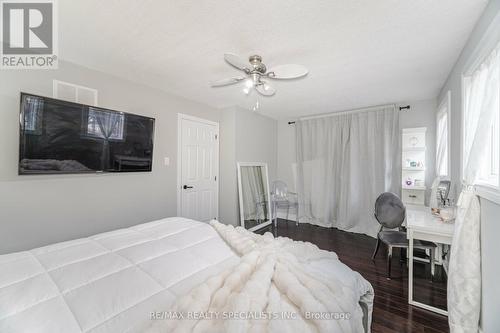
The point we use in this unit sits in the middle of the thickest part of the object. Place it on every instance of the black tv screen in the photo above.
(63, 137)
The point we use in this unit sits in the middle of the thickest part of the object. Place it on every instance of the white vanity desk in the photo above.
(421, 224)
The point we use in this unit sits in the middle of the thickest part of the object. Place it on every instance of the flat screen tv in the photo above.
(63, 137)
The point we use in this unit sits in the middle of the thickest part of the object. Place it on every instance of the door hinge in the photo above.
(216, 136)
(215, 178)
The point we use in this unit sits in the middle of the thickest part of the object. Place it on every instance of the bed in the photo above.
(125, 280)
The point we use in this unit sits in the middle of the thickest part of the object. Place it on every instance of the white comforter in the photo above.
(278, 286)
(118, 281)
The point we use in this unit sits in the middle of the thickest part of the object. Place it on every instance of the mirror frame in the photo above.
(447, 183)
(240, 194)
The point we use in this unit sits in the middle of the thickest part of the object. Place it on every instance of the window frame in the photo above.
(122, 128)
(35, 115)
(93, 136)
(445, 103)
(483, 188)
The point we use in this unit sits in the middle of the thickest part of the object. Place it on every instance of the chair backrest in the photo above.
(390, 211)
(279, 190)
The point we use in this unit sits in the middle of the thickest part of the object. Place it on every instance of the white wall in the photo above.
(490, 266)
(38, 210)
(422, 114)
(228, 200)
(254, 140)
(286, 152)
(485, 35)
(256, 137)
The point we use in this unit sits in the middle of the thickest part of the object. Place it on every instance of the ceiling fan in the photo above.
(257, 73)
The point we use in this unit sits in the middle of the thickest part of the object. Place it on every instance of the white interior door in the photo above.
(199, 168)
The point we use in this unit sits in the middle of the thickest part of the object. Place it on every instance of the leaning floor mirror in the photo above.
(253, 189)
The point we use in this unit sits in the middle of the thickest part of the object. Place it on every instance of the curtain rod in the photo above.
(407, 107)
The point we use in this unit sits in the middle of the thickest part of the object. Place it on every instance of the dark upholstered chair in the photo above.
(390, 212)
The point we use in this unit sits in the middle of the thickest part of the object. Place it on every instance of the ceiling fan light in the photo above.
(255, 71)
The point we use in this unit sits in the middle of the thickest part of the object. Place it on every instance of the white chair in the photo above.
(281, 198)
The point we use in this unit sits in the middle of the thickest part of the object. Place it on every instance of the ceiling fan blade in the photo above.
(226, 82)
(285, 72)
(237, 62)
(265, 89)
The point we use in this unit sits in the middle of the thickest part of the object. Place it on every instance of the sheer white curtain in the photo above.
(343, 163)
(464, 281)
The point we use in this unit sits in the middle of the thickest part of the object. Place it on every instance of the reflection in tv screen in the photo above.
(64, 137)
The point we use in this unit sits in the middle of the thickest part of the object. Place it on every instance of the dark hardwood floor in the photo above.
(391, 313)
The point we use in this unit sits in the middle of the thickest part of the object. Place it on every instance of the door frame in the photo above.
(180, 118)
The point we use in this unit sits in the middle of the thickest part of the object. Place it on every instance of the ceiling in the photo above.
(359, 52)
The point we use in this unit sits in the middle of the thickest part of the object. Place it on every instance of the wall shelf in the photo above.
(413, 169)
(417, 188)
(413, 151)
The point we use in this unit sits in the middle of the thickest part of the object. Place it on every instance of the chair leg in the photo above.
(389, 260)
(407, 259)
(433, 268)
(376, 248)
(297, 216)
(287, 212)
(275, 216)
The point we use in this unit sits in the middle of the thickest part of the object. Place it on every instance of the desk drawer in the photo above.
(413, 197)
(429, 236)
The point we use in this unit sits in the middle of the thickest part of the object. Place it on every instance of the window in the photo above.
(481, 119)
(33, 108)
(443, 137)
(108, 125)
(489, 172)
